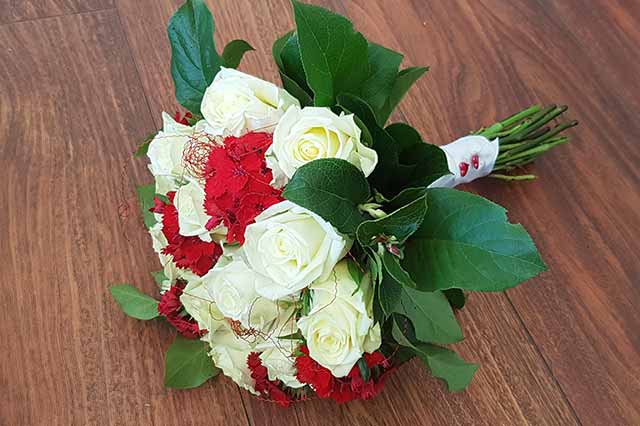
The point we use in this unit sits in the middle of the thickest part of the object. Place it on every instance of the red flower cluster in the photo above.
(267, 388)
(237, 183)
(346, 388)
(171, 308)
(187, 252)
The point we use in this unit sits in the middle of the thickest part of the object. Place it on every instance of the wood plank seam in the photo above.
(60, 15)
(544, 360)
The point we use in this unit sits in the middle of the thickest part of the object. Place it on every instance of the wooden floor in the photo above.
(82, 81)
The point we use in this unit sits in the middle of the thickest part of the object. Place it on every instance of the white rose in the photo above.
(165, 153)
(280, 363)
(339, 327)
(290, 247)
(192, 219)
(313, 133)
(236, 103)
(229, 353)
(200, 305)
(232, 285)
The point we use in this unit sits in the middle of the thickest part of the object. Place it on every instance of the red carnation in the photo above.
(188, 252)
(268, 388)
(238, 183)
(346, 388)
(171, 308)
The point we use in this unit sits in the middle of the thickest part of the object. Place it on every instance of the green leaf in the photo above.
(443, 363)
(332, 188)
(365, 371)
(430, 314)
(401, 86)
(401, 224)
(234, 51)
(289, 83)
(466, 242)
(333, 54)
(159, 277)
(194, 60)
(396, 272)
(383, 69)
(389, 294)
(292, 62)
(456, 297)
(146, 193)
(428, 161)
(404, 160)
(134, 303)
(144, 146)
(187, 364)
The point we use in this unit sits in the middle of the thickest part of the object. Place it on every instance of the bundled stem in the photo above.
(525, 136)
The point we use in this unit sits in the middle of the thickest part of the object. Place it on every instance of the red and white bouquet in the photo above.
(308, 248)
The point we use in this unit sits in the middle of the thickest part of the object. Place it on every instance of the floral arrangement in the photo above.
(308, 248)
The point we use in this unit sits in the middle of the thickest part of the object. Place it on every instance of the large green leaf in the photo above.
(290, 85)
(146, 193)
(399, 224)
(234, 51)
(396, 272)
(381, 76)
(292, 62)
(194, 60)
(401, 86)
(134, 303)
(466, 242)
(187, 364)
(443, 363)
(333, 54)
(431, 315)
(332, 188)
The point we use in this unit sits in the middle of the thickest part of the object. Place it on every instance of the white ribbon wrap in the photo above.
(468, 158)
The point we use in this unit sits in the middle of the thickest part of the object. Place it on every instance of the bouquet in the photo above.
(308, 248)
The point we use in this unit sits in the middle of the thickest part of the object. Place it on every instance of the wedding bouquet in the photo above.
(308, 248)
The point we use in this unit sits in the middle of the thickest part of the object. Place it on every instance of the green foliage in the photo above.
(456, 297)
(400, 224)
(403, 82)
(187, 364)
(144, 146)
(430, 314)
(331, 188)
(234, 51)
(404, 160)
(134, 303)
(146, 193)
(194, 59)
(325, 57)
(304, 95)
(383, 65)
(443, 363)
(333, 54)
(466, 242)
(392, 267)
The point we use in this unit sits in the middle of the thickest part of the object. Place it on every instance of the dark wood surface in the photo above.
(81, 82)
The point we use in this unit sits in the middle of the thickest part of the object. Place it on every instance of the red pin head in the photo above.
(464, 168)
(475, 161)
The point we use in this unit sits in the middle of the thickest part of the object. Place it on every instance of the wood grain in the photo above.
(71, 111)
(24, 10)
(77, 92)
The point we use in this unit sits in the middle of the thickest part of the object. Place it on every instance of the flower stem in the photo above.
(525, 136)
